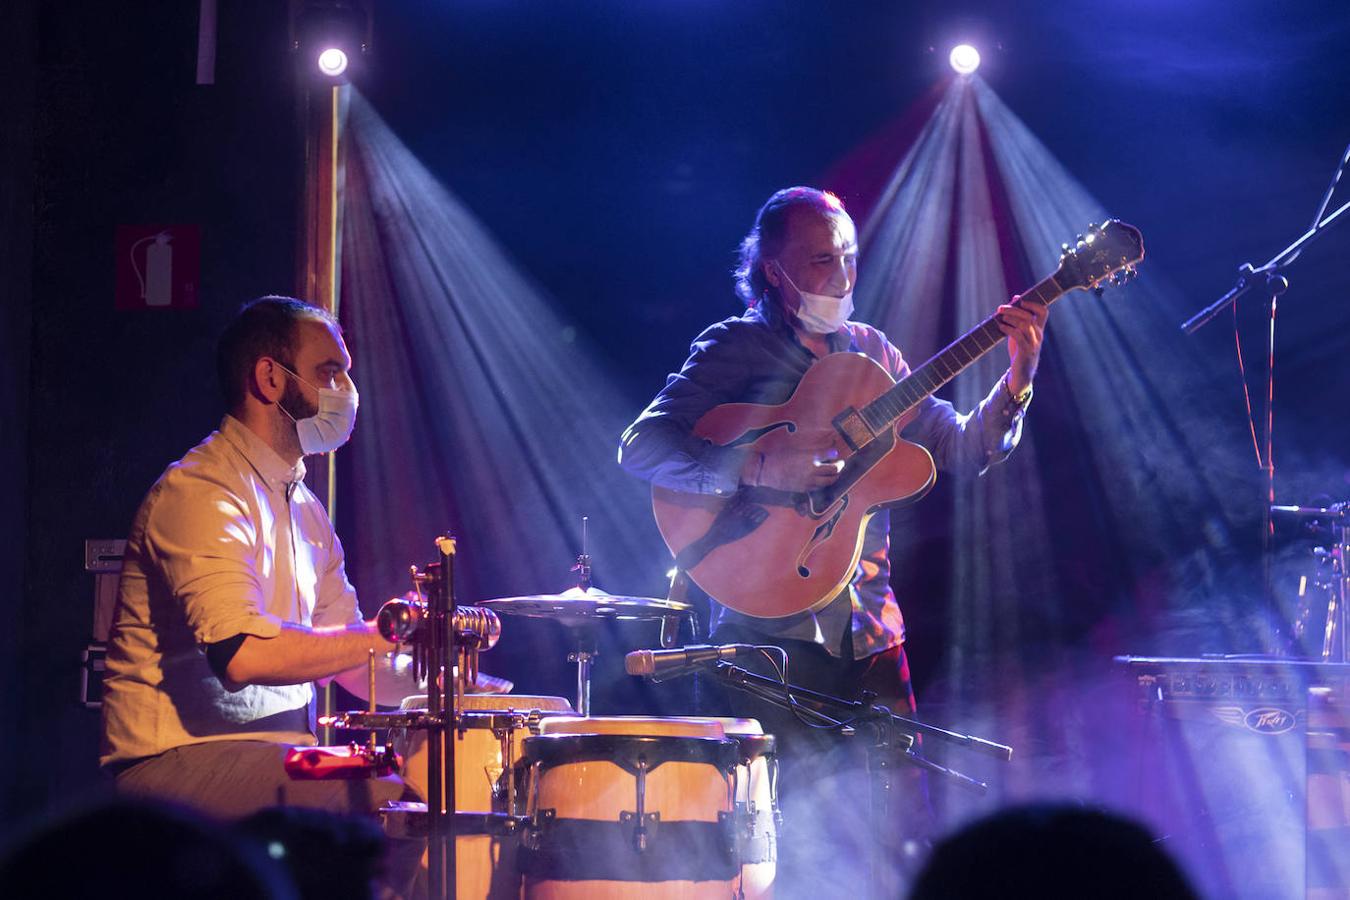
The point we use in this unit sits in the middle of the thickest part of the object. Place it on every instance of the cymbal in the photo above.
(577, 607)
(394, 680)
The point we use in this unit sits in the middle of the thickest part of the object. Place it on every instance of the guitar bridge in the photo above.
(853, 429)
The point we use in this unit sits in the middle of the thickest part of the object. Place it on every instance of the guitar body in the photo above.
(769, 553)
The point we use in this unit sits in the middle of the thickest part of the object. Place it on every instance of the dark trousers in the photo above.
(233, 779)
(841, 799)
(230, 780)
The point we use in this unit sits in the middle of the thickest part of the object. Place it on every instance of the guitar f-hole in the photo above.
(819, 537)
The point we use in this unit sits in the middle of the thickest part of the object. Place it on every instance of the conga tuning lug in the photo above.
(644, 827)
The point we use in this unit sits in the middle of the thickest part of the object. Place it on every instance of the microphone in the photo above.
(665, 662)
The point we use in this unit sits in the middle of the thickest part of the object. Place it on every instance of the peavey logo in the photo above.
(1269, 721)
(1265, 720)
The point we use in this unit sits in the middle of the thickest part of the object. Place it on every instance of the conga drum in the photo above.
(622, 807)
(756, 805)
(488, 780)
(488, 748)
(485, 850)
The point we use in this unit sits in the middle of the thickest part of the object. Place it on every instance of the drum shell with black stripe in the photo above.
(623, 804)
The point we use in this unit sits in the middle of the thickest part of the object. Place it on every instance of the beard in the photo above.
(294, 403)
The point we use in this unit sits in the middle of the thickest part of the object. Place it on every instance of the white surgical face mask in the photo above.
(332, 425)
(820, 313)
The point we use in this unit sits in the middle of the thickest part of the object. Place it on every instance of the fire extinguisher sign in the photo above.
(158, 266)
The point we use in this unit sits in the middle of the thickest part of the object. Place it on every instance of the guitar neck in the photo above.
(951, 361)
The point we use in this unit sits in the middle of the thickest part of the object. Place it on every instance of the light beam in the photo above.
(485, 411)
(1118, 525)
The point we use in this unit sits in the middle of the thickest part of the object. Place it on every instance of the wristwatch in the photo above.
(1018, 399)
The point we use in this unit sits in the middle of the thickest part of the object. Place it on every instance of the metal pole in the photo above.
(441, 734)
(319, 275)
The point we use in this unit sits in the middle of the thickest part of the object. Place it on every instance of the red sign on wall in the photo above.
(158, 266)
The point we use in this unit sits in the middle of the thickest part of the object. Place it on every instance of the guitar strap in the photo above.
(738, 517)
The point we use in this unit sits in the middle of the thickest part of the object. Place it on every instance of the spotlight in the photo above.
(964, 58)
(332, 62)
(330, 37)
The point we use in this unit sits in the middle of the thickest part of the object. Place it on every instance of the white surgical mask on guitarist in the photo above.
(820, 313)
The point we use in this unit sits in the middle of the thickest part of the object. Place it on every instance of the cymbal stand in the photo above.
(583, 564)
(1335, 638)
(584, 635)
(584, 656)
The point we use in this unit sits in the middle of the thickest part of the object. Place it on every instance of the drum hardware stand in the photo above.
(1334, 635)
(445, 640)
(1270, 276)
(440, 721)
(582, 607)
(583, 634)
(584, 656)
(842, 716)
(371, 705)
(583, 563)
(585, 653)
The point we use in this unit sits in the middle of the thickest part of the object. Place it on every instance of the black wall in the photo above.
(123, 135)
(16, 301)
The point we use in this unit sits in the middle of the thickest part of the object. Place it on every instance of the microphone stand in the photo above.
(1270, 277)
(842, 716)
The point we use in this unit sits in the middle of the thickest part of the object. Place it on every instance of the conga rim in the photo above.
(628, 750)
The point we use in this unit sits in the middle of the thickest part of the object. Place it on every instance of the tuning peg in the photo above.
(1066, 248)
(1122, 277)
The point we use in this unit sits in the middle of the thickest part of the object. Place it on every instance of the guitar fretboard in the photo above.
(949, 362)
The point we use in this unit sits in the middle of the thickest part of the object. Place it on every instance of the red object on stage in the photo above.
(349, 761)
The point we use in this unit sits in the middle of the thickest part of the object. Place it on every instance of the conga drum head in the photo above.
(633, 725)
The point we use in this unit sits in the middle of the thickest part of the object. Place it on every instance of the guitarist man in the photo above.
(798, 268)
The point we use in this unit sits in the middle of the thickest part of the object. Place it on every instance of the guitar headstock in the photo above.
(1106, 254)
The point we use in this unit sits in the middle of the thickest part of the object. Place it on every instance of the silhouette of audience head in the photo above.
(133, 848)
(330, 857)
(1050, 851)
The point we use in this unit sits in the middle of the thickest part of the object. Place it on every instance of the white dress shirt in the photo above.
(229, 541)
